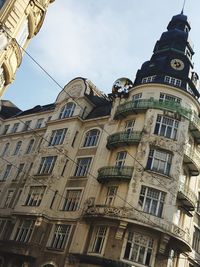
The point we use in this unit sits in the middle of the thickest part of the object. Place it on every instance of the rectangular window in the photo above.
(149, 79)
(196, 240)
(98, 239)
(137, 97)
(129, 126)
(6, 127)
(2, 227)
(172, 81)
(166, 127)
(7, 172)
(198, 203)
(15, 128)
(27, 126)
(35, 196)
(24, 231)
(111, 194)
(152, 200)
(47, 164)
(139, 248)
(159, 161)
(60, 236)
(8, 200)
(120, 159)
(82, 166)
(39, 123)
(23, 33)
(72, 199)
(19, 171)
(167, 97)
(57, 137)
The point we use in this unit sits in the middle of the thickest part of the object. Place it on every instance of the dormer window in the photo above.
(148, 79)
(67, 111)
(172, 81)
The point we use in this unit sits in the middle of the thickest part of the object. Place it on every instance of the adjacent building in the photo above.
(20, 21)
(94, 180)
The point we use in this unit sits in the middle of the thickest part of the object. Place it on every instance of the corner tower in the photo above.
(171, 62)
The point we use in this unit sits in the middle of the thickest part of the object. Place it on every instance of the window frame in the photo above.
(148, 79)
(166, 127)
(34, 198)
(149, 202)
(5, 149)
(154, 160)
(22, 233)
(172, 81)
(130, 240)
(17, 148)
(6, 172)
(57, 138)
(67, 111)
(46, 167)
(168, 97)
(63, 241)
(81, 170)
(70, 203)
(30, 146)
(120, 158)
(91, 140)
(96, 237)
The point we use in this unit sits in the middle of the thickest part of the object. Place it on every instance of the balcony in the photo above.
(133, 107)
(192, 160)
(187, 197)
(195, 127)
(123, 173)
(123, 139)
(181, 237)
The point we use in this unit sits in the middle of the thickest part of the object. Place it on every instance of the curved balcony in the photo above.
(181, 237)
(123, 173)
(123, 139)
(194, 127)
(187, 197)
(133, 107)
(192, 160)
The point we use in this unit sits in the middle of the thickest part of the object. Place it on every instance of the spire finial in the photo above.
(183, 7)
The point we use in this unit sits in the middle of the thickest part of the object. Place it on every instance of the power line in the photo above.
(82, 108)
(97, 124)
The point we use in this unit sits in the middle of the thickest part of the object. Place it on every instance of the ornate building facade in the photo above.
(20, 21)
(94, 180)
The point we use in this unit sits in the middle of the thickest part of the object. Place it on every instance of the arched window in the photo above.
(91, 138)
(5, 149)
(17, 148)
(30, 146)
(67, 111)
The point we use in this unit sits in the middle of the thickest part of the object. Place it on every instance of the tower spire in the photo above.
(183, 7)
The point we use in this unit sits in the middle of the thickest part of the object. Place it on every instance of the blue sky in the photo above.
(101, 40)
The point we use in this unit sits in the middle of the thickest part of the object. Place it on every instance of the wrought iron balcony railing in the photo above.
(187, 197)
(192, 159)
(123, 173)
(144, 104)
(123, 139)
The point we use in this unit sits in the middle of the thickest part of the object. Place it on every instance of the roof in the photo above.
(37, 109)
(100, 111)
(8, 109)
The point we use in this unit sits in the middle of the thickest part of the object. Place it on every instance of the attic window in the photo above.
(148, 79)
(172, 81)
